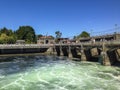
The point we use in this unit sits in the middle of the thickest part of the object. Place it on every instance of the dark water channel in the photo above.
(54, 73)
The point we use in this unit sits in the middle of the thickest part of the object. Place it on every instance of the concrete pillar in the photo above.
(105, 58)
(118, 54)
(94, 51)
(50, 50)
(61, 51)
(83, 56)
(69, 52)
(54, 50)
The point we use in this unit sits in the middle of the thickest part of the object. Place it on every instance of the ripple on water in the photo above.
(52, 73)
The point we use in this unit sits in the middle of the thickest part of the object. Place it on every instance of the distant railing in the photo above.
(5, 46)
(10, 46)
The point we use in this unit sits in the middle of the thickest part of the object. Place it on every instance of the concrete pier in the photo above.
(106, 60)
(107, 53)
(69, 52)
(83, 56)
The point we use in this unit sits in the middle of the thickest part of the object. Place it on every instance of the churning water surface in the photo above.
(53, 73)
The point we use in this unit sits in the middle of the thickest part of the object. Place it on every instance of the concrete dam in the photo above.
(21, 49)
(107, 53)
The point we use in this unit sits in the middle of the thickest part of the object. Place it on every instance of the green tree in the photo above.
(58, 34)
(8, 32)
(3, 38)
(7, 36)
(4, 30)
(83, 34)
(74, 37)
(12, 39)
(26, 33)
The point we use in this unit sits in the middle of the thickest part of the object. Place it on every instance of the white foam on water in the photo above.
(59, 75)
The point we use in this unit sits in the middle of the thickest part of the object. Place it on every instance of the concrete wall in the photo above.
(112, 56)
(104, 55)
(21, 51)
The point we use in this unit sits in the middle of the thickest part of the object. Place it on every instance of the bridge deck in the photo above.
(14, 46)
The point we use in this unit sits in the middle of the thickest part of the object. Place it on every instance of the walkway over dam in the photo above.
(107, 53)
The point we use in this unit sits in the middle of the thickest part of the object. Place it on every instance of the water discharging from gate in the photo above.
(54, 73)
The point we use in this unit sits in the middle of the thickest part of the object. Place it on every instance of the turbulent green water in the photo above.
(53, 73)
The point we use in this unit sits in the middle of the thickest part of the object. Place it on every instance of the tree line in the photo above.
(83, 34)
(8, 36)
(27, 33)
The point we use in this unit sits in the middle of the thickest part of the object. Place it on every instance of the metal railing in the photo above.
(6, 46)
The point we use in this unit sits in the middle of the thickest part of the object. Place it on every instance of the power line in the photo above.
(108, 31)
(103, 32)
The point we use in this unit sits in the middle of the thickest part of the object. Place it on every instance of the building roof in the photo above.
(63, 38)
(46, 37)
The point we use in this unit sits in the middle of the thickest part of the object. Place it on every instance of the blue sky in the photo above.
(71, 17)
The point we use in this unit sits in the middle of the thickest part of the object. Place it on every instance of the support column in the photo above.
(83, 57)
(118, 54)
(69, 52)
(54, 50)
(61, 52)
(105, 58)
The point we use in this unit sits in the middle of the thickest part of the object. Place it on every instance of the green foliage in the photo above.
(26, 33)
(6, 31)
(12, 39)
(3, 38)
(74, 37)
(7, 36)
(58, 34)
(83, 34)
